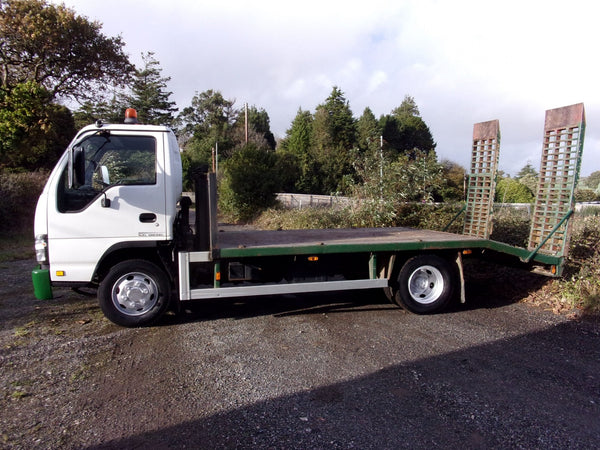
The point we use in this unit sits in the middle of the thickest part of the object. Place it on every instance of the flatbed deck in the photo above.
(241, 243)
(232, 243)
(245, 243)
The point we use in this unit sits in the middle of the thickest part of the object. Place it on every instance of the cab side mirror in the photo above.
(79, 166)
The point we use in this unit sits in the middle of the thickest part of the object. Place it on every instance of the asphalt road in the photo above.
(305, 372)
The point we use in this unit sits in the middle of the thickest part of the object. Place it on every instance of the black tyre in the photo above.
(425, 285)
(134, 293)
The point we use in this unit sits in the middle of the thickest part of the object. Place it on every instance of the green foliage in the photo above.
(582, 287)
(511, 226)
(336, 153)
(404, 179)
(18, 198)
(404, 131)
(212, 128)
(200, 150)
(33, 132)
(20, 110)
(149, 95)
(529, 177)
(453, 185)
(368, 132)
(298, 144)
(407, 134)
(334, 138)
(107, 111)
(259, 128)
(509, 190)
(586, 195)
(308, 218)
(52, 46)
(203, 127)
(248, 183)
(527, 170)
(298, 140)
(47, 53)
(591, 182)
(362, 214)
(323, 150)
(408, 108)
(210, 115)
(288, 171)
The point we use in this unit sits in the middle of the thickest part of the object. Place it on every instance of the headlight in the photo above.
(41, 248)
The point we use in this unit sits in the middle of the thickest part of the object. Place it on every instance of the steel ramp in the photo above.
(564, 131)
(481, 181)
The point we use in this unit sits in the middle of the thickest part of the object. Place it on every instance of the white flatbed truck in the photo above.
(111, 216)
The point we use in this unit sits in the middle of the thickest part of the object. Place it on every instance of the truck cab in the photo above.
(113, 192)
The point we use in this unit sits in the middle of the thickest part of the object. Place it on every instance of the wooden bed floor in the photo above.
(343, 236)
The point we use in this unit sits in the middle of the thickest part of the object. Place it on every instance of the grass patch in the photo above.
(25, 330)
(19, 394)
(16, 246)
(19, 389)
(80, 374)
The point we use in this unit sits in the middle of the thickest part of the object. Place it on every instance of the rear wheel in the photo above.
(134, 293)
(425, 284)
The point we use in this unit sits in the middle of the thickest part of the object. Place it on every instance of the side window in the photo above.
(104, 161)
(133, 166)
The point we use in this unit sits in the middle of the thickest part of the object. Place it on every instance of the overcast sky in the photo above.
(463, 61)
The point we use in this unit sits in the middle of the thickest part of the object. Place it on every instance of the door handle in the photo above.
(147, 217)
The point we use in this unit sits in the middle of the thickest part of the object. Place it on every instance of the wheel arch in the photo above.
(398, 259)
(148, 251)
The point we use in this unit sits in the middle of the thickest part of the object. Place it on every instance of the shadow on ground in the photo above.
(539, 390)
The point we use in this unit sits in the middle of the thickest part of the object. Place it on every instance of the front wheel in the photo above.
(425, 284)
(134, 293)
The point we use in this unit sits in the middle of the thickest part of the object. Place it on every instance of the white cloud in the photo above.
(378, 79)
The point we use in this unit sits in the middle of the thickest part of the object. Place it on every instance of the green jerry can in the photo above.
(41, 284)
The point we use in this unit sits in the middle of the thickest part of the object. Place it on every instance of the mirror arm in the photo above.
(105, 202)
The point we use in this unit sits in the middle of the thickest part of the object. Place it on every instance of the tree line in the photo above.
(50, 56)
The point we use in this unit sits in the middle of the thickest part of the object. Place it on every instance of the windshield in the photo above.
(104, 160)
(110, 160)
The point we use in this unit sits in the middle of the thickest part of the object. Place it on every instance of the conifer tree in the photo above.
(149, 94)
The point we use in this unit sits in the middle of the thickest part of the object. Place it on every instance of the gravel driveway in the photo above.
(320, 371)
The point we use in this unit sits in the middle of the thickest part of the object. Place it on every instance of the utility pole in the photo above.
(381, 166)
(246, 120)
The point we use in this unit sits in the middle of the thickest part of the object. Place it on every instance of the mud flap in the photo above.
(461, 274)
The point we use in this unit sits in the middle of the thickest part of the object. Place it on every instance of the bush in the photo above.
(248, 184)
(364, 214)
(509, 190)
(18, 198)
(582, 284)
(294, 219)
(586, 195)
(511, 226)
